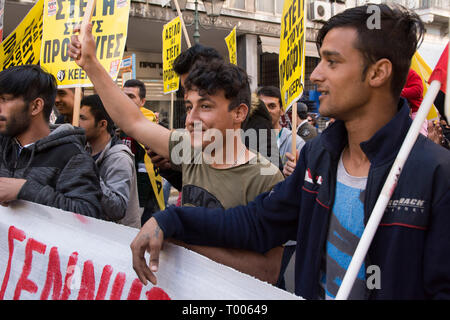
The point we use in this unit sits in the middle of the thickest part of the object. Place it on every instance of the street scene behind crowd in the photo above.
(234, 189)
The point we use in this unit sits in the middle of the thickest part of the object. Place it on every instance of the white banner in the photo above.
(50, 254)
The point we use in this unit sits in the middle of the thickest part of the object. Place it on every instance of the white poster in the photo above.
(50, 254)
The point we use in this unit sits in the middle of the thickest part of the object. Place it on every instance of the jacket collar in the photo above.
(382, 146)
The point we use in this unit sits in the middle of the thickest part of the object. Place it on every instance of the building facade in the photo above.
(258, 24)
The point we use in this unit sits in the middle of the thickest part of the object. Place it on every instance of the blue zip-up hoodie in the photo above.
(411, 246)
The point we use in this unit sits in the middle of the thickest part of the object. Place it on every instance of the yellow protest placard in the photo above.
(152, 171)
(171, 42)
(23, 45)
(232, 46)
(109, 27)
(292, 51)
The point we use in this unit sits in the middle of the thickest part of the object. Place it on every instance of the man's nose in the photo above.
(192, 117)
(316, 75)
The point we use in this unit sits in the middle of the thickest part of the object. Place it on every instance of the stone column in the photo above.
(247, 56)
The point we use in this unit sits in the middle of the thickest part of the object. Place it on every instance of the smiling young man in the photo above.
(325, 204)
(42, 163)
(64, 101)
(217, 96)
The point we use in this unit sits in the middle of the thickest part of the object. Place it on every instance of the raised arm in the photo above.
(120, 108)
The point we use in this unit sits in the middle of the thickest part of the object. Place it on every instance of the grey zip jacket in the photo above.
(119, 184)
(59, 172)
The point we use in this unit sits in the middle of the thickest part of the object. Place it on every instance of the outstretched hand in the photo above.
(83, 51)
(150, 239)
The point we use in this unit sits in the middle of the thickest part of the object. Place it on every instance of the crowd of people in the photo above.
(246, 199)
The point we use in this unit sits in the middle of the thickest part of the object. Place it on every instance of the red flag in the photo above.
(440, 71)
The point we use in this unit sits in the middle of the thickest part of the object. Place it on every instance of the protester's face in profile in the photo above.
(338, 76)
(14, 115)
(133, 94)
(64, 101)
(274, 108)
(211, 111)
(87, 122)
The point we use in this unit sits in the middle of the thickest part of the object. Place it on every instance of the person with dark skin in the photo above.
(42, 163)
(325, 204)
(217, 98)
(64, 101)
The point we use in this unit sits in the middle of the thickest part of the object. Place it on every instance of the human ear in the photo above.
(103, 123)
(37, 106)
(380, 73)
(240, 113)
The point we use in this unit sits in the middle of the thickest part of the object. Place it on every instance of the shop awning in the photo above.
(272, 45)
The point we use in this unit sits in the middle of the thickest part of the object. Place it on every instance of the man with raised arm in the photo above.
(224, 173)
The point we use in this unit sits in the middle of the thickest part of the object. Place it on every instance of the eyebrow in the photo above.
(329, 53)
(202, 99)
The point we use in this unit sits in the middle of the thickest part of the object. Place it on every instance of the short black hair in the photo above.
(302, 110)
(270, 91)
(134, 83)
(98, 110)
(396, 38)
(185, 60)
(30, 82)
(209, 77)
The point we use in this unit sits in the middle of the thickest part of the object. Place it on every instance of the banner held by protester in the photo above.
(292, 53)
(230, 40)
(50, 254)
(23, 45)
(109, 27)
(171, 48)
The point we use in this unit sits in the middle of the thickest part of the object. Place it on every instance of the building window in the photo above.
(272, 6)
(236, 4)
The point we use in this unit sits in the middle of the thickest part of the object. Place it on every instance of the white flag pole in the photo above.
(386, 193)
(447, 96)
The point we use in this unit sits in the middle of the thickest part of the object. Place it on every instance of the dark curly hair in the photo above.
(30, 82)
(210, 77)
(396, 38)
(183, 63)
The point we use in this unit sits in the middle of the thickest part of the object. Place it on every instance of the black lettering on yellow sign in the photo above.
(292, 61)
(172, 52)
(158, 182)
(19, 51)
(9, 44)
(77, 74)
(290, 17)
(169, 74)
(108, 46)
(111, 41)
(172, 31)
(63, 5)
(97, 27)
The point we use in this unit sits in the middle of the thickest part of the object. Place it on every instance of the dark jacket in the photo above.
(307, 131)
(58, 171)
(411, 247)
(260, 120)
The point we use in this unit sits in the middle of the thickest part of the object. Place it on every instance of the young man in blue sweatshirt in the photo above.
(325, 204)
